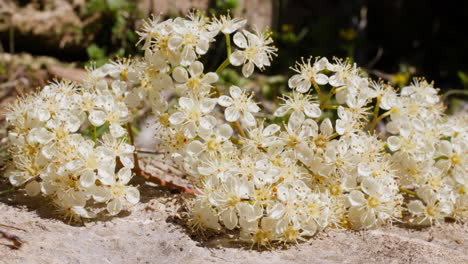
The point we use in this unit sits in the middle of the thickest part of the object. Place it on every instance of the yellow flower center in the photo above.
(373, 202)
(455, 159)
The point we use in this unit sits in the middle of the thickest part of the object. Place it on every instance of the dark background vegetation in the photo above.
(390, 39)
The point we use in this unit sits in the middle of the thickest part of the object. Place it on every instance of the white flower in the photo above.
(203, 216)
(197, 83)
(300, 104)
(239, 106)
(193, 114)
(432, 210)
(226, 24)
(230, 196)
(371, 209)
(306, 74)
(216, 139)
(256, 51)
(122, 193)
(191, 36)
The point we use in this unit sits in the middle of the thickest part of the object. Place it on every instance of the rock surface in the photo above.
(152, 232)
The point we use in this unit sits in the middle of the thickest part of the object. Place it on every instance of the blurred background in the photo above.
(394, 40)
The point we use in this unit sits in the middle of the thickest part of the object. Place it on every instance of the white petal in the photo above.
(127, 161)
(252, 107)
(235, 92)
(87, 178)
(248, 69)
(237, 58)
(371, 186)
(240, 40)
(97, 118)
(394, 143)
(43, 115)
(180, 75)
(231, 114)
(249, 119)
(326, 127)
(356, 198)
(296, 119)
(364, 169)
(229, 218)
(190, 130)
(114, 207)
(270, 130)
(335, 81)
(132, 195)
(340, 127)
(445, 148)
(276, 211)
(186, 103)
(177, 118)
(175, 42)
(208, 104)
(294, 81)
(124, 175)
(196, 69)
(81, 211)
(33, 188)
(117, 130)
(321, 79)
(282, 110)
(202, 46)
(225, 131)
(195, 148)
(225, 101)
(416, 207)
(42, 135)
(208, 122)
(210, 78)
(312, 110)
(303, 86)
(101, 194)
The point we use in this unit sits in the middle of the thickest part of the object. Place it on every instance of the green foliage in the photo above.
(230, 77)
(463, 78)
(88, 132)
(223, 6)
(113, 30)
(97, 54)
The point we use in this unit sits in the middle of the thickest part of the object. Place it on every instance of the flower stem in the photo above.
(94, 134)
(164, 183)
(404, 190)
(138, 171)
(228, 44)
(226, 61)
(149, 152)
(7, 191)
(323, 104)
(319, 92)
(333, 107)
(376, 114)
(132, 141)
(222, 66)
(239, 129)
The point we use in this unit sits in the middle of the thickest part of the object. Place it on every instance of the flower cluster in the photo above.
(51, 157)
(323, 164)
(289, 181)
(430, 151)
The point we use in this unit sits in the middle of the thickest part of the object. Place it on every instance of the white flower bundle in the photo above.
(271, 181)
(51, 157)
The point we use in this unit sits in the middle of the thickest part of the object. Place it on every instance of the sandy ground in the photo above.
(151, 232)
